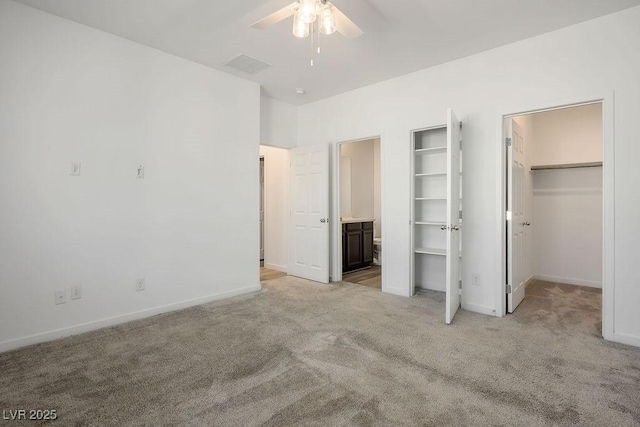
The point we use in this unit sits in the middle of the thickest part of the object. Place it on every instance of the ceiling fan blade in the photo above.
(346, 26)
(276, 17)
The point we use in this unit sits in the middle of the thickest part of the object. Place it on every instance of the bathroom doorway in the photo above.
(359, 257)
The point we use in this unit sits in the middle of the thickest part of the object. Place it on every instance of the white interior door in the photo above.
(310, 213)
(515, 215)
(453, 216)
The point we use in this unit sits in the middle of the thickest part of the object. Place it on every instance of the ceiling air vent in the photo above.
(247, 64)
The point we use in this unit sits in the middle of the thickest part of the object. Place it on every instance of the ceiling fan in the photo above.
(305, 12)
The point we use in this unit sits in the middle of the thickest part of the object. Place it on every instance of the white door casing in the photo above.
(309, 254)
(453, 217)
(261, 208)
(516, 215)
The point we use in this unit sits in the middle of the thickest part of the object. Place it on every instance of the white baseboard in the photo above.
(626, 339)
(276, 267)
(116, 320)
(395, 291)
(437, 287)
(482, 309)
(528, 281)
(569, 281)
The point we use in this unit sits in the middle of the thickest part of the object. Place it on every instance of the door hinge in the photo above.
(509, 289)
(508, 141)
(460, 284)
(460, 214)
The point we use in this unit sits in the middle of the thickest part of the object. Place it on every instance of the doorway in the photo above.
(554, 198)
(274, 212)
(358, 247)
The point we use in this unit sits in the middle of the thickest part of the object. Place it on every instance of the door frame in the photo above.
(263, 206)
(607, 99)
(336, 228)
(267, 184)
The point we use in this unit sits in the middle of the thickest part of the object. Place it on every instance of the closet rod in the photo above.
(568, 166)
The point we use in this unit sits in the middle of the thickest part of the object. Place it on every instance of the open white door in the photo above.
(453, 216)
(515, 215)
(309, 247)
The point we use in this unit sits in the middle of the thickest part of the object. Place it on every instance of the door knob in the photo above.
(323, 220)
(523, 223)
(527, 223)
(455, 227)
(443, 227)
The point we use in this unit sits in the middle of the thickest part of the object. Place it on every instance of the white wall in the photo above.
(276, 227)
(345, 187)
(594, 57)
(567, 214)
(568, 135)
(567, 204)
(278, 123)
(362, 177)
(71, 93)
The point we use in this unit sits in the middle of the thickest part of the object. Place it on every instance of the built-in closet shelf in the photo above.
(436, 190)
(434, 150)
(567, 166)
(431, 251)
(431, 174)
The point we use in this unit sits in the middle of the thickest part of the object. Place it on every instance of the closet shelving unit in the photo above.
(435, 211)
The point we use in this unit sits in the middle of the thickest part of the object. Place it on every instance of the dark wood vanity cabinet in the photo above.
(357, 245)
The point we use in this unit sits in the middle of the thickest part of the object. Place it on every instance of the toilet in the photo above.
(377, 251)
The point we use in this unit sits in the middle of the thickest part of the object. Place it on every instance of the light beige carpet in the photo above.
(300, 353)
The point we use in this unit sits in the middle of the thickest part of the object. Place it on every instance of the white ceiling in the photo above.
(400, 36)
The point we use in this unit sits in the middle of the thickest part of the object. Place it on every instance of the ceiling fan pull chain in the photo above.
(318, 37)
(312, 30)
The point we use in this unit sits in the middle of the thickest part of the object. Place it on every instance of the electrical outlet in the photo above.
(61, 297)
(140, 172)
(140, 284)
(76, 292)
(476, 279)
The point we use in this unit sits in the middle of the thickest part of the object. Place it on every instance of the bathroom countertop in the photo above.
(352, 220)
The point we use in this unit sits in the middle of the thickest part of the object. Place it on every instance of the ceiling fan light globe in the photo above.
(300, 29)
(327, 21)
(308, 11)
